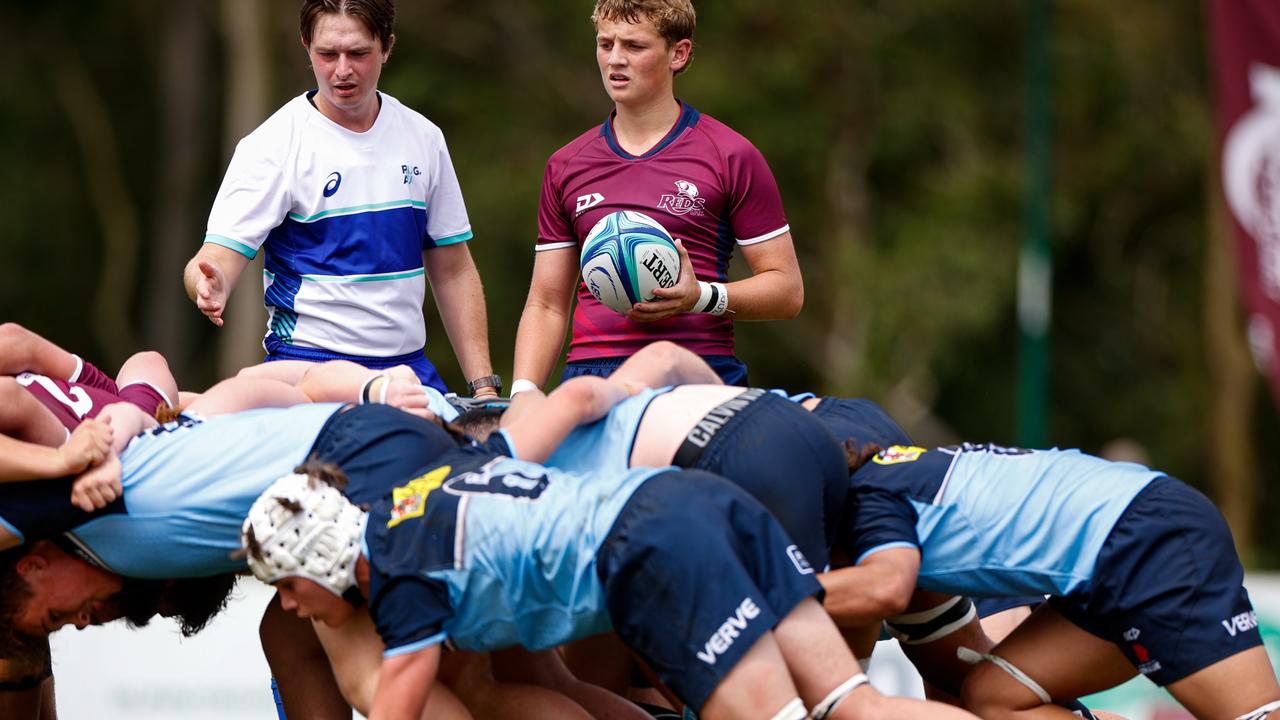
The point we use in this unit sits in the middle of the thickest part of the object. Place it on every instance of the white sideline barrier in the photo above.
(112, 673)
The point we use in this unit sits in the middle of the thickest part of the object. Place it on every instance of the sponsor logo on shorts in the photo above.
(719, 416)
(1132, 634)
(331, 183)
(410, 501)
(898, 454)
(722, 639)
(799, 560)
(1146, 665)
(1242, 623)
(586, 202)
(685, 200)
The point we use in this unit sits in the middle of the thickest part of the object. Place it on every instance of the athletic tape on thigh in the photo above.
(793, 710)
(933, 624)
(973, 657)
(1261, 712)
(828, 705)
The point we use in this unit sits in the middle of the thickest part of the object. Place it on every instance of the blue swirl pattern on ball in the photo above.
(624, 256)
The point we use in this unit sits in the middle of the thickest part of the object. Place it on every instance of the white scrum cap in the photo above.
(304, 528)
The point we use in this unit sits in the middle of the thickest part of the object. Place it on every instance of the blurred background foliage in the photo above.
(895, 130)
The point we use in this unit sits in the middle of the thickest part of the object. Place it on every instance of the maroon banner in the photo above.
(1246, 71)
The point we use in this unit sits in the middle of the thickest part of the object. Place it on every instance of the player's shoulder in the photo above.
(279, 132)
(412, 119)
(575, 147)
(726, 140)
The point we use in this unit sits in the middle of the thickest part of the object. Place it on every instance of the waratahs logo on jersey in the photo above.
(898, 454)
(410, 501)
(685, 200)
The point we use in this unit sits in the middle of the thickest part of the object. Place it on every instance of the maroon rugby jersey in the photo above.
(706, 184)
(85, 395)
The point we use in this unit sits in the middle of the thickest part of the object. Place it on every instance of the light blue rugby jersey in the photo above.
(188, 487)
(606, 443)
(497, 552)
(992, 521)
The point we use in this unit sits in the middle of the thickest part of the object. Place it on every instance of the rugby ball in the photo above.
(625, 256)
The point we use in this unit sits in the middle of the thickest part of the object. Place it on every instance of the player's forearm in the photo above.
(459, 294)
(21, 461)
(860, 596)
(768, 295)
(539, 339)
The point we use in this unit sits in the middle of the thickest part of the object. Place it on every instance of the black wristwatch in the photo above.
(488, 381)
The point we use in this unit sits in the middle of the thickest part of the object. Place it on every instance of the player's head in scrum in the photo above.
(44, 587)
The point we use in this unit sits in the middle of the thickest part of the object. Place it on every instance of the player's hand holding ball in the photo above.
(668, 301)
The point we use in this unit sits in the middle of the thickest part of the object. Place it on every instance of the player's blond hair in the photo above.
(675, 20)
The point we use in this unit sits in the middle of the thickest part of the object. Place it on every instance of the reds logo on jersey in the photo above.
(685, 200)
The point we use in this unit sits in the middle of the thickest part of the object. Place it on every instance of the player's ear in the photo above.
(32, 563)
(683, 53)
(386, 52)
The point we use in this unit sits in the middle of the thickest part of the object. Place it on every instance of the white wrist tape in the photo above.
(519, 385)
(713, 298)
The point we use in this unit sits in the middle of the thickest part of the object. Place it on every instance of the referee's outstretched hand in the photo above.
(211, 292)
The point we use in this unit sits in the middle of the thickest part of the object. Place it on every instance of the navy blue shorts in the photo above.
(860, 420)
(378, 447)
(783, 457)
(730, 369)
(695, 572)
(422, 367)
(1168, 586)
(987, 607)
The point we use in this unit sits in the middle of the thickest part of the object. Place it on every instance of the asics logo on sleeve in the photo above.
(331, 187)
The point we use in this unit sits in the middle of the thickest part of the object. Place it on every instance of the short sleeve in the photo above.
(410, 614)
(879, 520)
(555, 229)
(42, 509)
(254, 197)
(755, 209)
(447, 221)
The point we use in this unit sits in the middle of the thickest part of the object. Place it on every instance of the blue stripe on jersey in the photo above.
(354, 244)
(724, 245)
(280, 296)
(688, 118)
(415, 647)
(230, 244)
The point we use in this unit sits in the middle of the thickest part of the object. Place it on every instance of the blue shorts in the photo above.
(730, 369)
(378, 447)
(1168, 586)
(695, 572)
(783, 457)
(422, 367)
(860, 420)
(987, 607)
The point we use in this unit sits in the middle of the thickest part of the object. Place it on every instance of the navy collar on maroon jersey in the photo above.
(688, 118)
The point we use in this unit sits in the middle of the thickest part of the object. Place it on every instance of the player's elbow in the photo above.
(793, 303)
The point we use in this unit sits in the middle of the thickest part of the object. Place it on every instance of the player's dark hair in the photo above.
(15, 593)
(674, 20)
(480, 423)
(377, 16)
(856, 456)
(191, 602)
